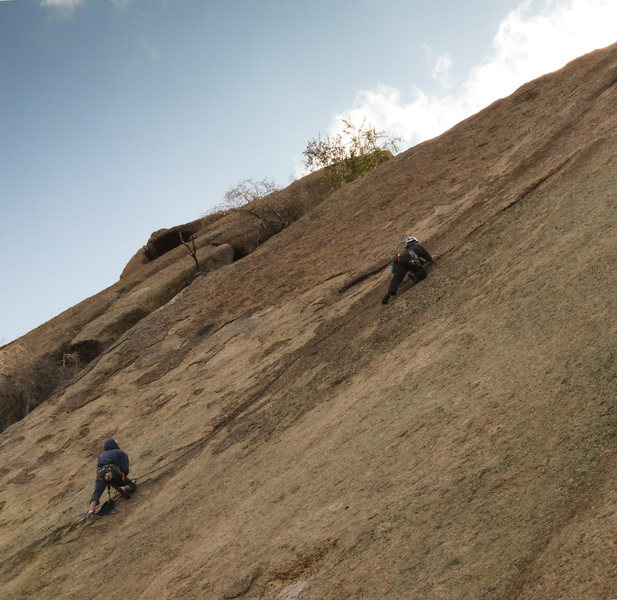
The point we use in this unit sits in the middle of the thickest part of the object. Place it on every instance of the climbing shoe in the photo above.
(385, 299)
(125, 491)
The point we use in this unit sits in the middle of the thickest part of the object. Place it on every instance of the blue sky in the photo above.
(122, 117)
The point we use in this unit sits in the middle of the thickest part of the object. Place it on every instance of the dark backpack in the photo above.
(407, 257)
(111, 474)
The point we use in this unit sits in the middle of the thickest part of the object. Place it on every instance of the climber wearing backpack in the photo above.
(112, 468)
(410, 262)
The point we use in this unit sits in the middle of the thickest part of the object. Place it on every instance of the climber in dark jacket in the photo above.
(112, 468)
(411, 263)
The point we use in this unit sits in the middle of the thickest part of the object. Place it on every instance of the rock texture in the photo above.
(294, 438)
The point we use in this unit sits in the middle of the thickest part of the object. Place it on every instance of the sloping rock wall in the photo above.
(292, 437)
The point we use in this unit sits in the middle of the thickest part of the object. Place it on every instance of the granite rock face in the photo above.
(292, 437)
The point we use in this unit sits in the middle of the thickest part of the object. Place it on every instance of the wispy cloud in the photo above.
(441, 70)
(442, 64)
(151, 51)
(123, 4)
(66, 8)
(527, 44)
(62, 8)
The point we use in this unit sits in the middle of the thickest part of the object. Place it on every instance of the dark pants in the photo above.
(416, 273)
(101, 484)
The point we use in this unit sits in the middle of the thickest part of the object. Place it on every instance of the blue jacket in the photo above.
(114, 456)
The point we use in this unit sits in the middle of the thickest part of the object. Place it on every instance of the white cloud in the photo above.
(122, 4)
(151, 51)
(66, 8)
(527, 44)
(441, 70)
(441, 65)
